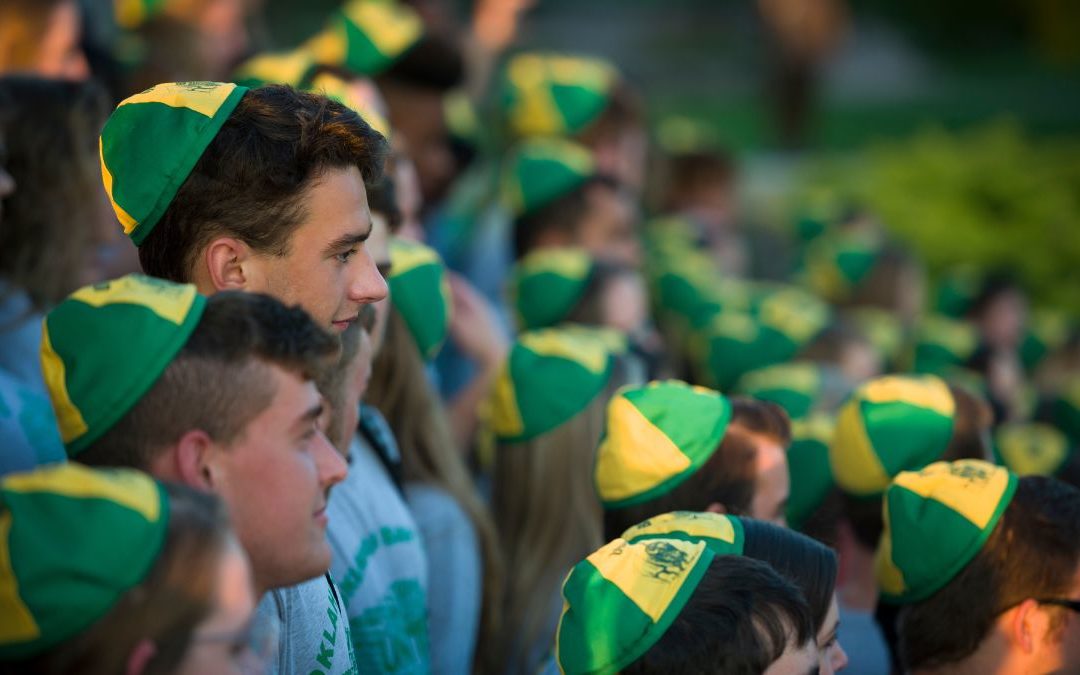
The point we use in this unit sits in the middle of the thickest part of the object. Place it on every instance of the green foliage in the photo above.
(990, 196)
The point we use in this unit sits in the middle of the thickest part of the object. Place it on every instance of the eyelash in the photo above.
(344, 257)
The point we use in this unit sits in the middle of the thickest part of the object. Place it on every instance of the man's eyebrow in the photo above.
(348, 241)
(310, 415)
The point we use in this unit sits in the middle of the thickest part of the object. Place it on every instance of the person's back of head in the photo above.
(53, 223)
(994, 605)
(673, 606)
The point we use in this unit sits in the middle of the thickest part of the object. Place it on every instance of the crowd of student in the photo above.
(405, 350)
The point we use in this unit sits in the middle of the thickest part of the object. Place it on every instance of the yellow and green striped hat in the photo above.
(366, 37)
(723, 534)
(619, 602)
(655, 438)
(808, 466)
(104, 346)
(942, 343)
(936, 521)
(420, 292)
(547, 284)
(130, 14)
(547, 94)
(540, 170)
(890, 424)
(794, 386)
(836, 264)
(293, 68)
(151, 142)
(551, 375)
(1032, 448)
(73, 541)
(733, 343)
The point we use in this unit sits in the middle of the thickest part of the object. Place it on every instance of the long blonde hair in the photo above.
(548, 517)
(400, 390)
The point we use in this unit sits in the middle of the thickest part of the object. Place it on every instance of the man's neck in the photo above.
(858, 589)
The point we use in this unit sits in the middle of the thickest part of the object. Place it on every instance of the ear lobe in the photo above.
(194, 458)
(140, 657)
(229, 265)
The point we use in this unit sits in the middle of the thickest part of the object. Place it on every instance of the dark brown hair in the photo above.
(739, 619)
(563, 214)
(1033, 552)
(174, 598)
(252, 180)
(219, 381)
(764, 418)
(51, 130)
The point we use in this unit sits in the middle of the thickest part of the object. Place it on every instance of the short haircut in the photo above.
(763, 418)
(563, 214)
(219, 381)
(727, 477)
(688, 174)
(970, 424)
(1033, 552)
(251, 181)
(739, 619)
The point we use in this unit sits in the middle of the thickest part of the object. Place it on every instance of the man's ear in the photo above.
(716, 507)
(194, 457)
(140, 657)
(230, 265)
(1027, 627)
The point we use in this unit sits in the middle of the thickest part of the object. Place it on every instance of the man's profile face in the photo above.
(796, 660)
(328, 268)
(275, 478)
(772, 484)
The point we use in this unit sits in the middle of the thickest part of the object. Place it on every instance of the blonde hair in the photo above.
(549, 518)
(400, 390)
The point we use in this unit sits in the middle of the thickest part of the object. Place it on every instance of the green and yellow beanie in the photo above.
(554, 94)
(550, 376)
(942, 343)
(541, 170)
(104, 346)
(1032, 448)
(141, 173)
(294, 68)
(723, 534)
(794, 386)
(936, 521)
(420, 292)
(130, 14)
(73, 541)
(366, 37)
(837, 264)
(547, 284)
(809, 468)
(891, 424)
(619, 602)
(655, 438)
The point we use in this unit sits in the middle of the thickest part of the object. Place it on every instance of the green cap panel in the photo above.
(554, 95)
(655, 438)
(795, 386)
(547, 284)
(891, 424)
(73, 540)
(104, 346)
(141, 172)
(366, 37)
(420, 292)
(618, 602)
(936, 521)
(541, 170)
(809, 468)
(550, 376)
